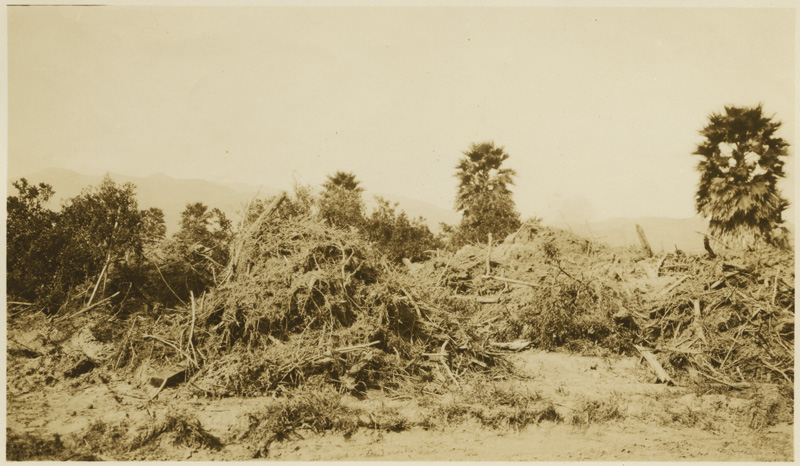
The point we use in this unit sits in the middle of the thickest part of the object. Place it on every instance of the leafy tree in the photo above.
(483, 195)
(739, 170)
(50, 253)
(30, 245)
(142, 274)
(154, 227)
(101, 228)
(300, 203)
(103, 221)
(208, 228)
(340, 203)
(395, 235)
(197, 253)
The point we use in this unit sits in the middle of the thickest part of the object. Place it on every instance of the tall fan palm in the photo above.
(739, 170)
(483, 195)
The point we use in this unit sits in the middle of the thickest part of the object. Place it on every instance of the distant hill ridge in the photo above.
(663, 234)
(169, 194)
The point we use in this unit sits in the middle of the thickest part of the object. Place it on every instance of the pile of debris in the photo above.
(302, 302)
(727, 320)
(542, 285)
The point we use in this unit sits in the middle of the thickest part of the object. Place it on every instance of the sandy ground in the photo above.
(657, 422)
(546, 442)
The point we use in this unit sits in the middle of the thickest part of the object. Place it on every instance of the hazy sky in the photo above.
(598, 108)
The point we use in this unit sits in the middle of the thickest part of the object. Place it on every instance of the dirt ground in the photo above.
(642, 421)
(547, 442)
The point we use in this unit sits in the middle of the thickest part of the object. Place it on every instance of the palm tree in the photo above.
(483, 195)
(739, 170)
(342, 180)
(341, 204)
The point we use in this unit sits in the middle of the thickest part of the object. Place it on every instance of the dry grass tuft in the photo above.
(176, 429)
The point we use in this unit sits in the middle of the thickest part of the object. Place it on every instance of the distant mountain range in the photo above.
(169, 194)
(172, 194)
(663, 234)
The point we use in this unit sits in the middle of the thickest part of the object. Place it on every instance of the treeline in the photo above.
(100, 245)
(100, 240)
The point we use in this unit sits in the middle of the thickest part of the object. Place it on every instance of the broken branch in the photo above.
(511, 280)
(661, 374)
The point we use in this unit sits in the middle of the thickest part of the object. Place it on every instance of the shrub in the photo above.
(397, 237)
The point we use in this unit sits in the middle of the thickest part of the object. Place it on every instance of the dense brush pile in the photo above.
(303, 301)
(730, 320)
(543, 285)
(727, 320)
(293, 276)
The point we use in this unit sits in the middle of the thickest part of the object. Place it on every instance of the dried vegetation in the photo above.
(312, 313)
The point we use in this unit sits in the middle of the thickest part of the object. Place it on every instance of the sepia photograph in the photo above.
(435, 230)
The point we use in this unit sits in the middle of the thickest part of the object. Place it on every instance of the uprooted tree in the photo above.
(739, 170)
(483, 196)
